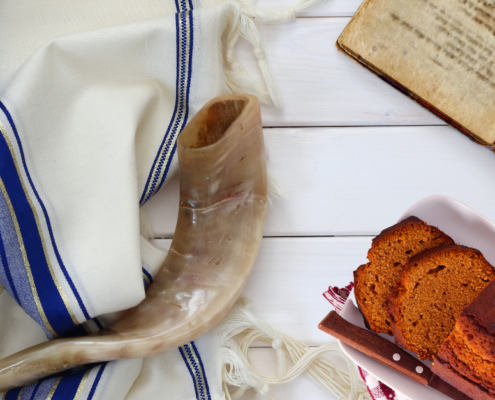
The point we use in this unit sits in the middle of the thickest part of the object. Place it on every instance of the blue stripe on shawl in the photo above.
(188, 86)
(190, 354)
(148, 275)
(5, 271)
(67, 388)
(184, 5)
(43, 389)
(184, 49)
(202, 369)
(13, 269)
(152, 178)
(96, 382)
(13, 394)
(51, 301)
(184, 44)
(35, 390)
(149, 279)
(183, 354)
(47, 219)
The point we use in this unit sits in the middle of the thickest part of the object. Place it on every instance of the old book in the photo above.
(439, 52)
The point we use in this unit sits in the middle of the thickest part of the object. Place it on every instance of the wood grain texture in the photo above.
(290, 277)
(320, 86)
(329, 8)
(339, 181)
(357, 181)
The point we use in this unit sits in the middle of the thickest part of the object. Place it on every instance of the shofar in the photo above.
(223, 204)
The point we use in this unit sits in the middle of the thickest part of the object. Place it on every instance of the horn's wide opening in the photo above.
(215, 122)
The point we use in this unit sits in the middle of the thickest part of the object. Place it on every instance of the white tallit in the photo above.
(93, 95)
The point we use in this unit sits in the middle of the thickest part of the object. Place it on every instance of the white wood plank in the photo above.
(329, 8)
(291, 275)
(356, 181)
(320, 86)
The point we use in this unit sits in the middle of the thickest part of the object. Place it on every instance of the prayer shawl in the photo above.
(93, 95)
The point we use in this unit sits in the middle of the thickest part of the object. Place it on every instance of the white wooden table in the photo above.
(352, 154)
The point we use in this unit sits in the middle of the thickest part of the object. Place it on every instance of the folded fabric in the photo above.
(92, 98)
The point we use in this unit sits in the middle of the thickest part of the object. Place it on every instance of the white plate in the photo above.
(466, 227)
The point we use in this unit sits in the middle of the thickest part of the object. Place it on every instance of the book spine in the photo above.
(422, 102)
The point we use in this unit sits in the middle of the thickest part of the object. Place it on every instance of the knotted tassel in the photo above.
(243, 15)
(238, 372)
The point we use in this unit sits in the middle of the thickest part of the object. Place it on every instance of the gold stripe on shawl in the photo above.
(54, 387)
(179, 118)
(192, 360)
(81, 385)
(40, 232)
(25, 259)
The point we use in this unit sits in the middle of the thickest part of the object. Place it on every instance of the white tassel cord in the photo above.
(275, 189)
(237, 79)
(238, 372)
(244, 12)
(241, 24)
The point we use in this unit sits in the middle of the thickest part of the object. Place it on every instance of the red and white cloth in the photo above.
(378, 390)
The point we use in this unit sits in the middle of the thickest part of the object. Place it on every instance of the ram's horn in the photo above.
(223, 203)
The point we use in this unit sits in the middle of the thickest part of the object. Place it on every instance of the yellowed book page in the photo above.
(441, 50)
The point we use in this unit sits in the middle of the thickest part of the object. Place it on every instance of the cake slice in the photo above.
(434, 288)
(389, 252)
(466, 360)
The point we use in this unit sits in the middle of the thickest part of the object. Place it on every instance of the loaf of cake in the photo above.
(466, 360)
(434, 288)
(389, 252)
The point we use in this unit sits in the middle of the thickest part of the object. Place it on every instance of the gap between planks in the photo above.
(350, 126)
(356, 181)
(290, 276)
(291, 237)
(319, 85)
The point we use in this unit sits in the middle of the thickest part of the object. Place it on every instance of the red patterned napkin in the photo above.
(378, 390)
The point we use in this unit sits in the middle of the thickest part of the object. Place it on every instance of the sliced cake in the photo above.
(434, 288)
(389, 252)
(466, 360)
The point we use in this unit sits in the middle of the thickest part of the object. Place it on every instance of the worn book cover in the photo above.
(439, 52)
